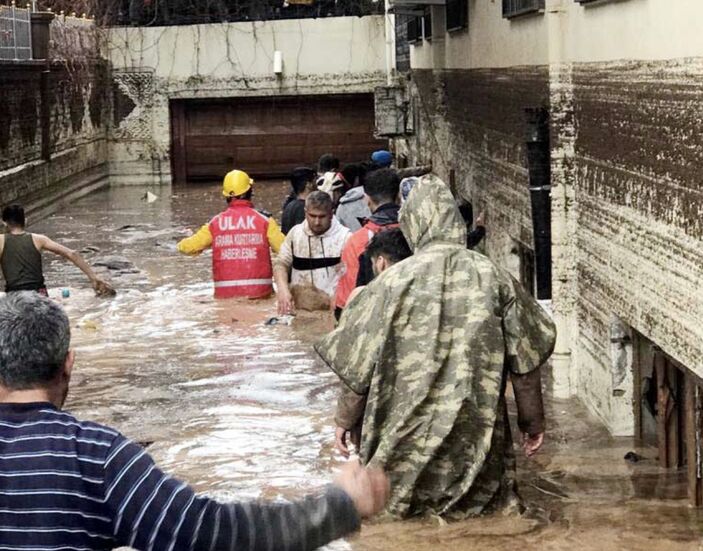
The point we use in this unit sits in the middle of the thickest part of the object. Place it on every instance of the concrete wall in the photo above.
(53, 137)
(153, 65)
(623, 83)
(489, 42)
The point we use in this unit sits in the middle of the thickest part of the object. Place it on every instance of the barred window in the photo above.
(457, 14)
(513, 8)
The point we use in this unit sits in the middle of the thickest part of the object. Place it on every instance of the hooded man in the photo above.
(353, 208)
(430, 344)
(311, 253)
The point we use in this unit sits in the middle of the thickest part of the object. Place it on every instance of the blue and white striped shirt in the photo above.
(72, 485)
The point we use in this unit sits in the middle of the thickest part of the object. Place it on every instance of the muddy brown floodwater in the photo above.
(244, 410)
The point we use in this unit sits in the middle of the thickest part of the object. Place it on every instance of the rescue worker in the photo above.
(311, 253)
(381, 190)
(430, 344)
(241, 238)
(21, 258)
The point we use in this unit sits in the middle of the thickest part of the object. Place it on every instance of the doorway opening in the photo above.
(669, 413)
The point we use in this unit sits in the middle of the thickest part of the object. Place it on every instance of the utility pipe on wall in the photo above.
(390, 43)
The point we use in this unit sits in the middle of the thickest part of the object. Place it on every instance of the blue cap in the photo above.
(382, 158)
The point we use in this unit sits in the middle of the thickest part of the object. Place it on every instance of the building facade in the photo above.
(610, 93)
(193, 101)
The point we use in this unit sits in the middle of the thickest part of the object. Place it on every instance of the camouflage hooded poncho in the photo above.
(430, 341)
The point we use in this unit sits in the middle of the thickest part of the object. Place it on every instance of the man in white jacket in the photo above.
(311, 253)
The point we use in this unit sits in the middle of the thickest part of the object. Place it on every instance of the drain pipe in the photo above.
(539, 165)
(390, 43)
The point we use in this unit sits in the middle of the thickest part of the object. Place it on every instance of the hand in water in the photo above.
(103, 288)
(532, 444)
(368, 487)
(286, 305)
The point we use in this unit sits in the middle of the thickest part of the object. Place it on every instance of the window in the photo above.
(427, 24)
(457, 14)
(414, 29)
(420, 27)
(513, 8)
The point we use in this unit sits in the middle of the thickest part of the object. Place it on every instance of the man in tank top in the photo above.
(21, 259)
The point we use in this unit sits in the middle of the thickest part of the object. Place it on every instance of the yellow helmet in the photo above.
(236, 183)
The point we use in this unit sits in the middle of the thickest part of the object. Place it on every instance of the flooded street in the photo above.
(241, 409)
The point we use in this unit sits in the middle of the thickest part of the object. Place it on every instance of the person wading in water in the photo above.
(21, 258)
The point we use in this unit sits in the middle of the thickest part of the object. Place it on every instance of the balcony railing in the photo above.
(15, 33)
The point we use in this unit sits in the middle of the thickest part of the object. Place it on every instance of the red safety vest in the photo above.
(241, 258)
(353, 249)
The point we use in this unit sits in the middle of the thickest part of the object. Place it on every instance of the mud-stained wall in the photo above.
(637, 164)
(471, 125)
(151, 66)
(626, 147)
(53, 125)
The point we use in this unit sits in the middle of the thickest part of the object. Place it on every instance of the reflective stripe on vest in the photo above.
(242, 282)
(241, 258)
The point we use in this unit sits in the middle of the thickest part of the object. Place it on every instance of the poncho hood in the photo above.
(430, 215)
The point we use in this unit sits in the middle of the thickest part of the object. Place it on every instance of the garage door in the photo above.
(268, 137)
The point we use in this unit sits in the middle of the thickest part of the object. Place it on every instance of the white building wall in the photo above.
(625, 89)
(155, 64)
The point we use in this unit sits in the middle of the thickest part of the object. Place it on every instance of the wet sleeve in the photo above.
(197, 243)
(350, 408)
(528, 330)
(275, 235)
(150, 510)
(285, 253)
(528, 398)
(353, 349)
(415, 171)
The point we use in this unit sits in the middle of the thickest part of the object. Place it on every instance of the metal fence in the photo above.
(15, 33)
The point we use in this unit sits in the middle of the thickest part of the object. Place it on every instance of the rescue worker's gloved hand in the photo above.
(368, 487)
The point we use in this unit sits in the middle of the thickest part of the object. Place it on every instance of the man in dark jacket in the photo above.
(302, 181)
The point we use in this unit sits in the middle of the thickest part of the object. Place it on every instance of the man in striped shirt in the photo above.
(67, 484)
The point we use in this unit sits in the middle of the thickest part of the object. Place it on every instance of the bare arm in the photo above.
(283, 262)
(43, 243)
(285, 298)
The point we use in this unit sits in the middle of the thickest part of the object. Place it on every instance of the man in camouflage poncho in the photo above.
(430, 344)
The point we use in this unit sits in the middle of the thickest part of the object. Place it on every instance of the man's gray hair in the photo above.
(34, 339)
(320, 200)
